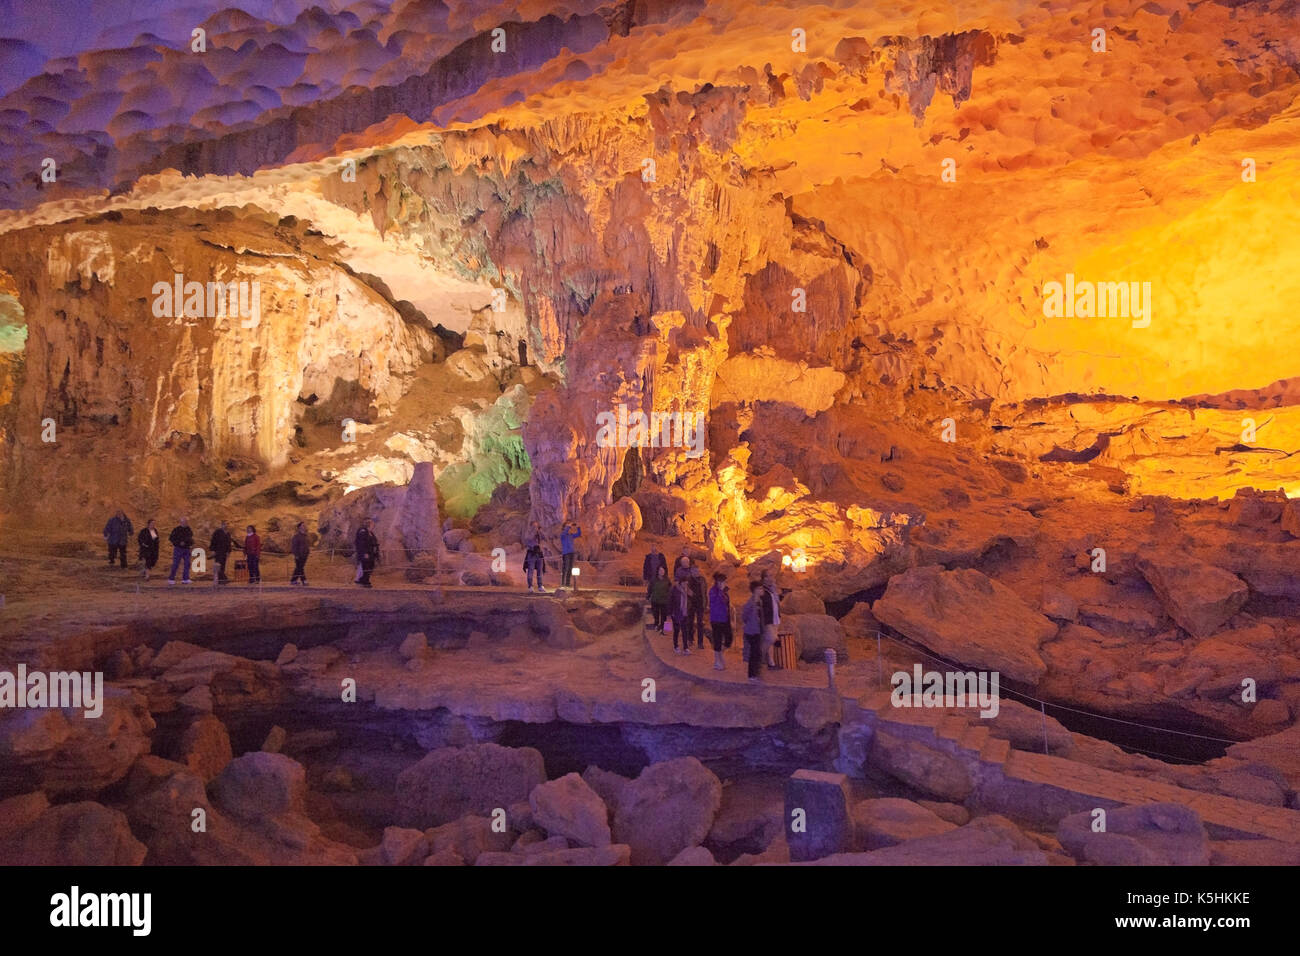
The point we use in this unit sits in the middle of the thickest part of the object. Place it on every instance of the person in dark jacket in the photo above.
(682, 559)
(300, 546)
(679, 607)
(751, 624)
(699, 600)
(650, 569)
(367, 548)
(182, 540)
(148, 543)
(535, 566)
(220, 546)
(769, 606)
(117, 533)
(660, 589)
(253, 555)
(719, 617)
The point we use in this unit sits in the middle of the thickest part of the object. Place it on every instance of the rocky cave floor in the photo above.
(491, 726)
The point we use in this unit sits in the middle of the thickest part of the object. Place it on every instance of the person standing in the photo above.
(679, 606)
(367, 547)
(148, 544)
(300, 546)
(699, 595)
(535, 566)
(253, 555)
(751, 628)
(769, 604)
(683, 559)
(660, 589)
(182, 540)
(117, 533)
(719, 617)
(568, 534)
(220, 546)
(650, 569)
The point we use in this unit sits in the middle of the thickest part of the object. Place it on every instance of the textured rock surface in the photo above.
(1149, 835)
(568, 807)
(965, 616)
(449, 783)
(669, 807)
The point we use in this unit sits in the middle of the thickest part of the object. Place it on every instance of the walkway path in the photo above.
(1016, 782)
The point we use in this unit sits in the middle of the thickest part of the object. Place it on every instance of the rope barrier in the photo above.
(1044, 703)
(880, 635)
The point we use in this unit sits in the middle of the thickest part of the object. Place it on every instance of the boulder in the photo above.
(1029, 729)
(402, 847)
(1059, 605)
(666, 809)
(205, 747)
(75, 834)
(1220, 666)
(607, 784)
(921, 767)
(570, 808)
(889, 821)
(275, 738)
(818, 814)
(1198, 596)
(1153, 834)
(752, 815)
(952, 812)
(66, 752)
(801, 601)
(985, 841)
(816, 633)
(965, 616)
(469, 837)
(448, 783)
(259, 785)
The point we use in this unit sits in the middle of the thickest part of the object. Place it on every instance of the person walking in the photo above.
(253, 555)
(220, 546)
(769, 605)
(682, 559)
(182, 540)
(650, 569)
(367, 547)
(535, 566)
(117, 533)
(148, 544)
(699, 602)
(679, 606)
(751, 628)
(300, 546)
(719, 617)
(660, 589)
(568, 534)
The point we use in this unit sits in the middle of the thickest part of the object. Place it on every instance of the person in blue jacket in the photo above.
(568, 535)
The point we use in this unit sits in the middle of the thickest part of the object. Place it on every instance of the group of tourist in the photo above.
(535, 559)
(118, 532)
(679, 602)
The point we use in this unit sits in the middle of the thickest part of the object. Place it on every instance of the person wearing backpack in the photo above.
(751, 626)
(719, 617)
(660, 589)
(679, 607)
